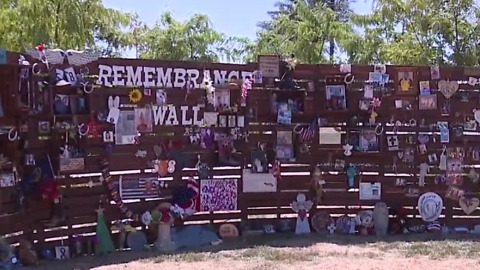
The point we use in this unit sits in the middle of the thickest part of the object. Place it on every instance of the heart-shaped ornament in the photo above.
(400, 155)
(476, 115)
(302, 214)
(448, 88)
(469, 205)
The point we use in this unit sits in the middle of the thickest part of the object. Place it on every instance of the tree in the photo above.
(66, 24)
(420, 32)
(195, 39)
(341, 9)
(306, 34)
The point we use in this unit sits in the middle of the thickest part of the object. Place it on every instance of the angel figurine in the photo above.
(301, 206)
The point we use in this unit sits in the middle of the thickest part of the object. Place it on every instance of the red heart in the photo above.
(302, 214)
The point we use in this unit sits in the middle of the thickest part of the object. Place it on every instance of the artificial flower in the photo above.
(135, 95)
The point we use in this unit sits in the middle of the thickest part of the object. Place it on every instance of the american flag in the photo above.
(307, 133)
(142, 188)
(276, 169)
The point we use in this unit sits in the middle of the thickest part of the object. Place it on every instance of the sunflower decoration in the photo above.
(135, 95)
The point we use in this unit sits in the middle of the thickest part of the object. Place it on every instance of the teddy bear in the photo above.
(26, 254)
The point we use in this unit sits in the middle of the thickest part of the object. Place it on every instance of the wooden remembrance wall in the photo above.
(82, 190)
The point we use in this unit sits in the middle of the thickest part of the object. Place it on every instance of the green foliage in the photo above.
(67, 24)
(195, 39)
(410, 32)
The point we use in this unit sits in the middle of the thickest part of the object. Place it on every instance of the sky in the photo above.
(233, 18)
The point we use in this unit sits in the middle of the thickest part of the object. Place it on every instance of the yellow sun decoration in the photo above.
(135, 95)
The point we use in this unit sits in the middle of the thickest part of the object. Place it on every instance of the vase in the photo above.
(164, 240)
(121, 240)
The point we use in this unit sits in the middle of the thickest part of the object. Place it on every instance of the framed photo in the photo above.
(427, 102)
(210, 119)
(222, 121)
(406, 83)
(222, 100)
(368, 141)
(143, 119)
(241, 121)
(232, 121)
(424, 87)
(252, 113)
(29, 159)
(259, 161)
(43, 127)
(125, 129)
(284, 152)
(336, 98)
(108, 136)
(8, 179)
(161, 97)
(284, 137)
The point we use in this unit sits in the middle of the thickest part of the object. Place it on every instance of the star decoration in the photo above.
(99, 211)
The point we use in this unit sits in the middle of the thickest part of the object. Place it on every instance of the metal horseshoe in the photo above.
(12, 134)
(83, 133)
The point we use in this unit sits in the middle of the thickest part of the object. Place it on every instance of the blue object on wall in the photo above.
(3, 56)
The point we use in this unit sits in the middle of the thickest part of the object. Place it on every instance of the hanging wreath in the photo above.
(135, 95)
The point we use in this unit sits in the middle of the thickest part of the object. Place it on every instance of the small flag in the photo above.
(195, 187)
(276, 169)
(138, 188)
(307, 133)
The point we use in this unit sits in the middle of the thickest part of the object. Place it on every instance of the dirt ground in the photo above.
(285, 251)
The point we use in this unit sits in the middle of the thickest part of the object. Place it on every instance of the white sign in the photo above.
(370, 191)
(161, 77)
(258, 182)
(269, 65)
(168, 116)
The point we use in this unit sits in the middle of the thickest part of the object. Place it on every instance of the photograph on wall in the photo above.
(454, 172)
(284, 152)
(336, 97)
(125, 129)
(161, 97)
(284, 137)
(427, 102)
(259, 161)
(222, 100)
(368, 141)
(143, 119)
(7, 179)
(210, 119)
(405, 81)
(61, 104)
(44, 127)
(218, 194)
(424, 87)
